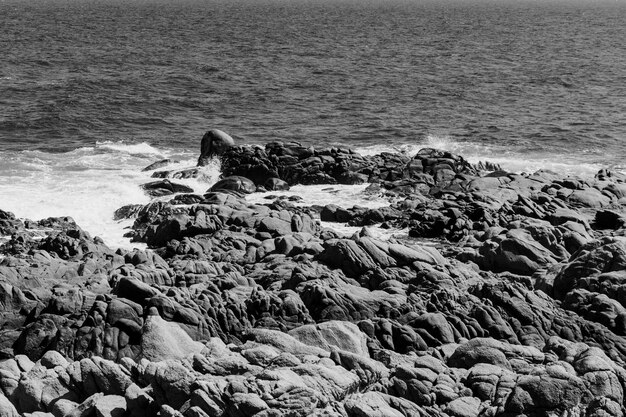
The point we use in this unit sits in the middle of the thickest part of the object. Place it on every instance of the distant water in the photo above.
(91, 91)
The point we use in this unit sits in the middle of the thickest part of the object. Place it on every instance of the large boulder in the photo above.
(214, 142)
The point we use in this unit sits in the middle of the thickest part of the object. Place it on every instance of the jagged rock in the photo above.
(598, 257)
(127, 212)
(243, 308)
(516, 251)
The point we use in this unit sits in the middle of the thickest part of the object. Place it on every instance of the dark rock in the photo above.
(593, 259)
(187, 199)
(127, 212)
(214, 143)
(164, 187)
(276, 184)
(157, 165)
(234, 183)
(608, 219)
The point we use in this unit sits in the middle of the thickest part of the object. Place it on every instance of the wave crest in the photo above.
(134, 149)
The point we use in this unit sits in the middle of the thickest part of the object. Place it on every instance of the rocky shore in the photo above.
(506, 298)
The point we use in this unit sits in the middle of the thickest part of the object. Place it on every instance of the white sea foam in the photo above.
(444, 143)
(514, 160)
(87, 184)
(143, 148)
(346, 196)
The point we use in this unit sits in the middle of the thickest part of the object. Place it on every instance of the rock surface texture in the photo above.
(507, 297)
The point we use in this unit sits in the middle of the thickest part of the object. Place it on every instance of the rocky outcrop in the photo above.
(506, 297)
(296, 164)
(214, 143)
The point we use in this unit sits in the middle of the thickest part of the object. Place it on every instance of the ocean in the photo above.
(93, 91)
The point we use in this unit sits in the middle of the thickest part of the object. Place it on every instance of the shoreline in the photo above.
(243, 308)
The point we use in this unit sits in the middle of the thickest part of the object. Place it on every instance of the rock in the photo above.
(275, 226)
(234, 183)
(347, 255)
(134, 290)
(157, 165)
(589, 197)
(87, 407)
(405, 255)
(6, 408)
(463, 407)
(214, 143)
(376, 404)
(127, 212)
(52, 359)
(37, 338)
(342, 335)
(591, 260)
(516, 251)
(608, 219)
(164, 187)
(246, 404)
(110, 406)
(534, 392)
(478, 351)
(171, 382)
(286, 343)
(163, 340)
(167, 411)
(276, 184)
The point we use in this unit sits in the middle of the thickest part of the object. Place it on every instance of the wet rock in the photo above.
(276, 184)
(164, 187)
(127, 212)
(214, 143)
(234, 183)
(157, 165)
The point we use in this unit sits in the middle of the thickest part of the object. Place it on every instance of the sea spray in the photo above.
(88, 184)
(515, 159)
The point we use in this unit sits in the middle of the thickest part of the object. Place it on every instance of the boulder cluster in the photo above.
(507, 296)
